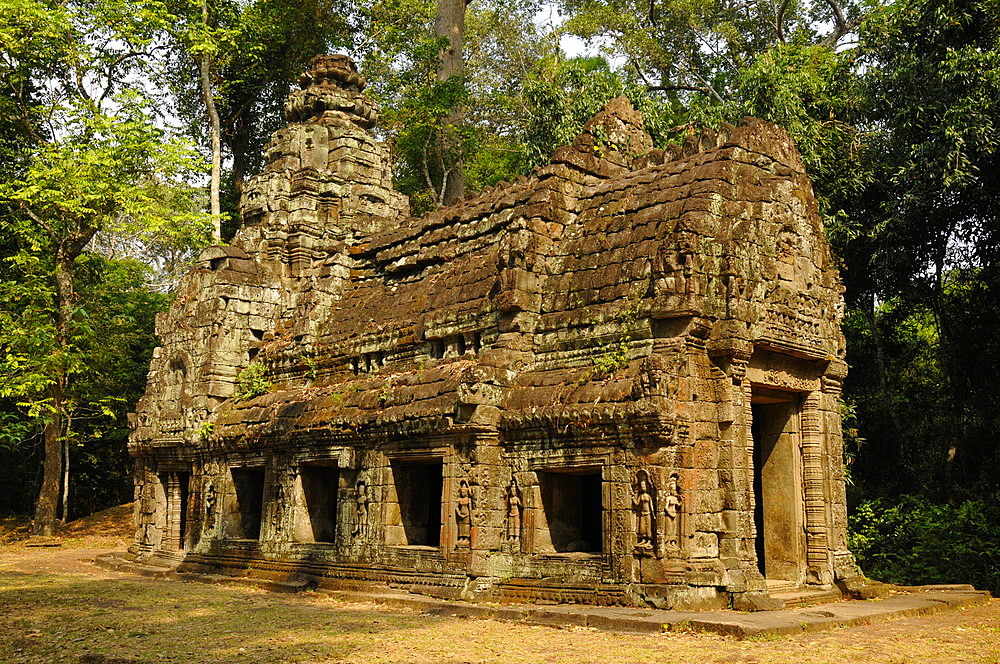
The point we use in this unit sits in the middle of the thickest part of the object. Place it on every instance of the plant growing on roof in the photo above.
(252, 382)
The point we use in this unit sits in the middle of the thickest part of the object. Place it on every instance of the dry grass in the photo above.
(55, 608)
(51, 614)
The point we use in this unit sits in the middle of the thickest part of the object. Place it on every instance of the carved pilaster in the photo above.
(814, 481)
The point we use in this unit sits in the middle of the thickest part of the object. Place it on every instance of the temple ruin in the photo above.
(612, 381)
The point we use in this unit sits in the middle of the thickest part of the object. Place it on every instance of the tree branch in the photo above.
(109, 69)
(667, 87)
(38, 220)
(843, 26)
(779, 20)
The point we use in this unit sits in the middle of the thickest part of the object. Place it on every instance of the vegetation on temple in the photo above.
(893, 105)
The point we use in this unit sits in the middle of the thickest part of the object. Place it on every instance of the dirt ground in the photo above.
(56, 606)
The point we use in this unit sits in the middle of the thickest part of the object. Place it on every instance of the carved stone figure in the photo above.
(642, 503)
(211, 503)
(277, 505)
(361, 511)
(463, 515)
(672, 511)
(513, 512)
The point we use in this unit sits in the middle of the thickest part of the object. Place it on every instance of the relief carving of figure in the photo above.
(361, 511)
(147, 511)
(463, 515)
(277, 508)
(513, 512)
(211, 503)
(672, 511)
(642, 502)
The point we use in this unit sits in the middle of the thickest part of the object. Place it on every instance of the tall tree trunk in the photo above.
(240, 148)
(450, 24)
(64, 502)
(68, 249)
(205, 71)
(47, 503)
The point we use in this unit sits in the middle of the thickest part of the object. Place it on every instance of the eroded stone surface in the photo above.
(613, 381)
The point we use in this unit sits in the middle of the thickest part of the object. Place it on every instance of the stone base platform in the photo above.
(901, 602)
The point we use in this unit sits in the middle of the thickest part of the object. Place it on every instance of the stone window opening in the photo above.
(368, 362)
(413, 510)
(572, 511)
(320, 485)
(458, 345)
(248, 490)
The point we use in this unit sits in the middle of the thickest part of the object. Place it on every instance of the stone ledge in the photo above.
(918, 600)
(906, 602)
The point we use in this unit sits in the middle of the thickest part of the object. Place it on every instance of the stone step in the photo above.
(123, 563)
(119, 562)
(912, 601)
(285, 586)
(42, 541)
(798, 597)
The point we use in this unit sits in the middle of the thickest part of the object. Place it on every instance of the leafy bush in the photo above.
(914, 541)
(252, 382)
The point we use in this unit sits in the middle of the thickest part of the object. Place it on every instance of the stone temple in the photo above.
(613, 381)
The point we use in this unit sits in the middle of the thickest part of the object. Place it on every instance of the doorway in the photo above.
(777, 483)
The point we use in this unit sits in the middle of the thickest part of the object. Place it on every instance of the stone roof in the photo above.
(533, 307)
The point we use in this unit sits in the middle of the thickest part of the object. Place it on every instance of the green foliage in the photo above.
(110, 360)
(616, 355)
(699, 47)
(206, 430)
(252, 382)
(89, 157)
(912, 540)
(852, 438)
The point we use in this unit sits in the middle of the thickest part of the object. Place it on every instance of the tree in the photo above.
(681, 47)
(449, 28)
(931, 235)
(98, 163)
(231, 67)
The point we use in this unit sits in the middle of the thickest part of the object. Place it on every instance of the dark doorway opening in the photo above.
(249, 488)
(418, 484)
(572, 508)
(778, 505)
(319, 489)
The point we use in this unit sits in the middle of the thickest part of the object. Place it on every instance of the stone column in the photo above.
(818, 565)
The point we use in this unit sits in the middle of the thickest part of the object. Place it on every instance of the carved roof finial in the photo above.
(336, 70)
(331, 84)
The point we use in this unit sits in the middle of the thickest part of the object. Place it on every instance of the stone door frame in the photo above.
(773, 371)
